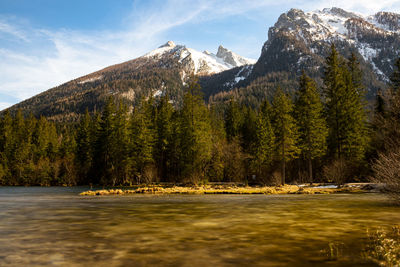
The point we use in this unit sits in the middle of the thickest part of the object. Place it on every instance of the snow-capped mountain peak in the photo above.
(168, 44)
(200, 63)
(233, 58)
(318, 29)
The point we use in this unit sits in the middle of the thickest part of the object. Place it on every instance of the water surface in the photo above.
(57, 227)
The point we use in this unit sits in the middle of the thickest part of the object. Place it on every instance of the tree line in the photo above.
(316, 134)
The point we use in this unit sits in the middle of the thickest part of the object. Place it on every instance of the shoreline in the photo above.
(238, 190)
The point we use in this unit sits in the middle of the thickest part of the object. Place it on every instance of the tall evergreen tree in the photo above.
(345, 107)
(335, 93)
(195, 134)
(142, 138)
(264, 143)
(121, 149)
(286, 133)
(104, 147)
(248, 129)
(233, 120)
(357, 140)
(310, 119)
(164, 126)
(84, 147)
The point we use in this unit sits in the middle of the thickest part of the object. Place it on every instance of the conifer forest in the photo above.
(327, 133)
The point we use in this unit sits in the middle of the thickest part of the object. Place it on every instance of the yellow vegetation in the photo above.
(223, 189)
(384, 247)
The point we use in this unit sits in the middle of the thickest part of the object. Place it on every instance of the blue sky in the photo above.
(44, 43)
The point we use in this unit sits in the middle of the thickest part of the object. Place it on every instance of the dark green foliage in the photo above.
(240, 139)
(31, 152)
(286, 131)
(195, 134)
(233, 120)
(163, 144)
(309, 115)
(142, 139)
(84, 150)
(345, 107)
(263, 145)
(103, 156)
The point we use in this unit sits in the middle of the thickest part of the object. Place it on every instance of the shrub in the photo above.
(384, 247)
(337, 171)
(387, 171)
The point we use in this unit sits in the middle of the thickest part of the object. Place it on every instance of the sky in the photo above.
(44, 43)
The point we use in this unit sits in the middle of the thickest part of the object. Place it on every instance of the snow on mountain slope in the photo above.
(233, 58)
(330, 25)
(200, 63)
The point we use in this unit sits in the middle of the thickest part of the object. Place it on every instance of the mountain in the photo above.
(164, 70)
(298, 41)
(301, 40)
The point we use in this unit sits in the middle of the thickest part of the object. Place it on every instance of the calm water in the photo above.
(57, 227)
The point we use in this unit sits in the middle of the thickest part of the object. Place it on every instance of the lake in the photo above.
(56, 227)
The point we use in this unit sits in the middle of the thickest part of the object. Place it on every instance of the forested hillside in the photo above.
(311, 133)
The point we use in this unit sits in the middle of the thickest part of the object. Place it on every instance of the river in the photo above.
(56, 227)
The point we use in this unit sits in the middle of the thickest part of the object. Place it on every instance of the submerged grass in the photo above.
(224, 189)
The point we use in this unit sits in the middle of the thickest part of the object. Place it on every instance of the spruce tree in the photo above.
(233, 120)
(263, 144)
(142, 138)
(357, 140)
(309, 114)
(164, 128)
(84, 147)
(104, 146)
(248, 131)
(286, 133)
(345, 107)
(335, 93)
(195, 134)
(121, 144)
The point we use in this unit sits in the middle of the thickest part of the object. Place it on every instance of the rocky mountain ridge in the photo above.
(298, 41)
(164, 70)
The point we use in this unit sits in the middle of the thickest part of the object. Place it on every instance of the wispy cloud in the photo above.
(13, 31)
(45, 58)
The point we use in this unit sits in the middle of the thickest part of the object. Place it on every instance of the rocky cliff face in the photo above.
(300, 40)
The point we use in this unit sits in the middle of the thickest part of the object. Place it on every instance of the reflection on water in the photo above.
(56, 226)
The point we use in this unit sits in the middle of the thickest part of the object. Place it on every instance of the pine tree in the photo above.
(357, 140)
(164, 126)
(103, 166)
(233, 120)
(345, 107)
(195, 134)
(335, 93)
(310, 119)
(142, 138)
(84, 147)
(121, 151)
(248, 130)
(285, 130)
(263, 144)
